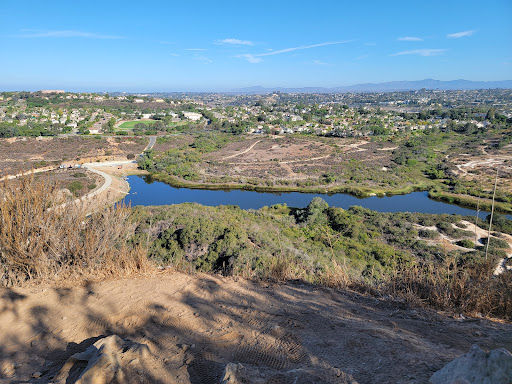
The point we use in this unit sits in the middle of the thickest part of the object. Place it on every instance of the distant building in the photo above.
(159, 100)
(192, 116)
(138, 100)
(46, 91)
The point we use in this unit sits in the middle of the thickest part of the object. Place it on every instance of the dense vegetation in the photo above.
(327, 245)
(31, 129)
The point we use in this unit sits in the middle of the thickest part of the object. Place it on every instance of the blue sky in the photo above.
(220, 45)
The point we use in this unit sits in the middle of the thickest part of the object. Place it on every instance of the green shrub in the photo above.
(496, 243)
(465, 243)
(428, 234)
(75, 187)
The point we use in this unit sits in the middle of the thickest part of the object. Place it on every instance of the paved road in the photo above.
(152, 142)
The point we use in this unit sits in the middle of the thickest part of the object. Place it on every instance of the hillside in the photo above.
(390, 86)
(196, 324)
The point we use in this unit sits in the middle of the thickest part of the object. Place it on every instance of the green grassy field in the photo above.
(176, 123)
(131, 124)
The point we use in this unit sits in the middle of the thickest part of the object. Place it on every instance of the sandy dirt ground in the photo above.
(195, 324)
(123, 170)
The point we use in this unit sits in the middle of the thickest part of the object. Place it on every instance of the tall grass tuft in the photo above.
(451, 287)
(41, 238)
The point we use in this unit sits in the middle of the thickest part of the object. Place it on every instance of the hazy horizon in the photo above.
(248, 89)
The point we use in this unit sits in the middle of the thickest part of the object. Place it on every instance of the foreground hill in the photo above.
(194, 325)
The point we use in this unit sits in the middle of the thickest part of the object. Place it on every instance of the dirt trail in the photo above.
(284, 162)
(491, 162)
(195, 325)
(242, 152)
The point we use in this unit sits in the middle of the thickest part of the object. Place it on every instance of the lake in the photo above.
(144, 191)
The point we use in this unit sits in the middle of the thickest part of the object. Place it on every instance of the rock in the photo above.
(37, 375)
(477, 367)
(104, 362)
(234, 374)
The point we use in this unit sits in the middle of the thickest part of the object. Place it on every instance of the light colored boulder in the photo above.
(107, 361)
(477, 367)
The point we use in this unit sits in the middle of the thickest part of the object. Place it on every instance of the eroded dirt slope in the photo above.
(195, 324)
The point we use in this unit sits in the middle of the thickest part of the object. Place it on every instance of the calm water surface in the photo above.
(146, 192)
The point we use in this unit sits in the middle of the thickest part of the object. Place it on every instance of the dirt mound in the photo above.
(194, 326)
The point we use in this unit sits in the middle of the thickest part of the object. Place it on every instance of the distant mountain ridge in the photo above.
(391, 86)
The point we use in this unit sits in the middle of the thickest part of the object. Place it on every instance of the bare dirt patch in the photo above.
(26, 153)
(482, 168)
(270, 149)
(294, 159)
(122, 170)
(195, 325)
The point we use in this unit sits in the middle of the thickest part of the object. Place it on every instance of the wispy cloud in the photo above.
(257, 57)
(321, 63)
(251, 58)
(421, 52)
(68, 33)
(458, 35)
(235, 42)
(195, 49)
(204, 59)
(410, 38)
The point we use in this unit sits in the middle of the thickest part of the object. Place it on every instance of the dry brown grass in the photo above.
(473, 290)
(470, 289)
(337, 277)
(42, 240)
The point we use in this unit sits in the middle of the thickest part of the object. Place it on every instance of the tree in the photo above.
(315, 212)
(491, 114)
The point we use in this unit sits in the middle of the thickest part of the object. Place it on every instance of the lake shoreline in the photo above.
(359, 193)
(148, 191)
